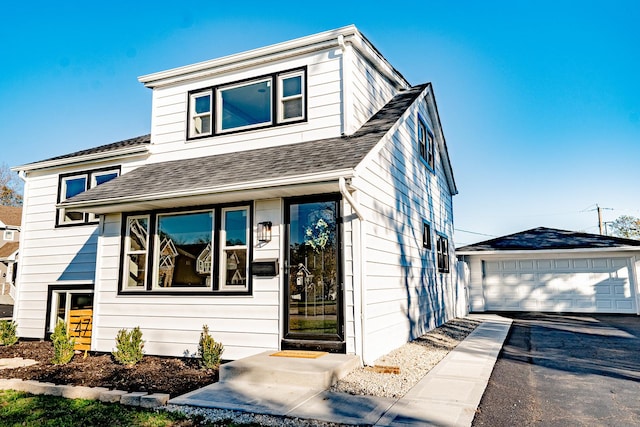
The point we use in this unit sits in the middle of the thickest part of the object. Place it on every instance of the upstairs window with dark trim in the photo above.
(425, 142)
(442, 248)
(265, 101)
(72, 184)
(200, 112)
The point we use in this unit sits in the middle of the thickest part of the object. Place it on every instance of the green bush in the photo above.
(209, 350)
(8, 332)
(129, 347)
(63, 345)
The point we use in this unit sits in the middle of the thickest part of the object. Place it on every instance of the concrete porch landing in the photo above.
(270, 384)
(319, 373)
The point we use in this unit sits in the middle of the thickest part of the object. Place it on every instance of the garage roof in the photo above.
(542, 238)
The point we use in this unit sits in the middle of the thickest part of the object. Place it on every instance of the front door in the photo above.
(313, 289)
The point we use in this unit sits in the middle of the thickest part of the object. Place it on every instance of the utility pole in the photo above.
(599, 219)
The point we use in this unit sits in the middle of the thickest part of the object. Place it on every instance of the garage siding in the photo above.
(594, 285)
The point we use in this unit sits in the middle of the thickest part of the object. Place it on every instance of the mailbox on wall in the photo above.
(265, 267)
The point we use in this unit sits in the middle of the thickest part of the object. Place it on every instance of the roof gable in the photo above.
(542, 238)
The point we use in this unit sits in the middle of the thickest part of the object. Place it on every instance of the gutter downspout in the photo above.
(358, 288)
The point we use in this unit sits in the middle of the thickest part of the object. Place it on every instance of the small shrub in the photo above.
(8, 332)
(63, 345)
(129, 347)
(209, 350)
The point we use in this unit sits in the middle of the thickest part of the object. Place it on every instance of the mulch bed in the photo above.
(153, 374)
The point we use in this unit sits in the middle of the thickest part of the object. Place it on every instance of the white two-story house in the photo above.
(296, 196)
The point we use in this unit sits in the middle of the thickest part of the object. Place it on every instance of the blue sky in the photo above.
(539, 101)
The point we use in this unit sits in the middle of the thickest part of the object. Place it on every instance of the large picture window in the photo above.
(73, 184)
(265, 101)
(194, 251)
(183, 242)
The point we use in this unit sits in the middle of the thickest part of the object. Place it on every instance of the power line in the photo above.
(474, 232)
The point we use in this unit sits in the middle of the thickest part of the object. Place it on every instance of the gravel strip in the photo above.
(414, 359)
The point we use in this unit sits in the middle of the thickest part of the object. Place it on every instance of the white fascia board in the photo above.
(88, 158)
(273, 53)
(590, 251)
(219, 189)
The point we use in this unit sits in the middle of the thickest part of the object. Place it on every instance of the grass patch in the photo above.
(26, 410)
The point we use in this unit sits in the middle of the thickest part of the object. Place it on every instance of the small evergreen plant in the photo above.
(8, 332)
(209, 350)
(129, 347)
(63, 344)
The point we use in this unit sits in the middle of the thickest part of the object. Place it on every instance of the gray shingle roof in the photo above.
(139, 140)
(548, 238)
(292, 160)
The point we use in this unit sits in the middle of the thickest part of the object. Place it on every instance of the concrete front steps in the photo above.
(295, 370)
(269, 384)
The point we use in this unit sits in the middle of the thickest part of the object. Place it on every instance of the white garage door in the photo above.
(594, 285)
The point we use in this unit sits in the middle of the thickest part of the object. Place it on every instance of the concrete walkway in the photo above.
(447, 396)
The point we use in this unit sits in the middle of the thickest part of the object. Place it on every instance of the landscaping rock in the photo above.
(154, 400)
(81, 392)
(132, 399)
(112, 396)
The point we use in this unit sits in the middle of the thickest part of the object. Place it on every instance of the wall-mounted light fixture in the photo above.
(264, 231)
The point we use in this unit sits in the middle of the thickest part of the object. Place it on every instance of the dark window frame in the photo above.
(426, 143)
(275, 104)
(89, 173)
(442, 251)
(426, 235)
(214, 289)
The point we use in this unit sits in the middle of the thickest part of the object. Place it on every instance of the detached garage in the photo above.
(552, 270)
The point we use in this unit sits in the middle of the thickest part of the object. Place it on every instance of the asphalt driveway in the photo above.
(571, 370)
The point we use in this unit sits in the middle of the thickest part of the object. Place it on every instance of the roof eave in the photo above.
(507, 252)
(87, 158)
(276, 52)
(113, 204)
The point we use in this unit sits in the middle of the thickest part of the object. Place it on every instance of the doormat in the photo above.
(301, 354)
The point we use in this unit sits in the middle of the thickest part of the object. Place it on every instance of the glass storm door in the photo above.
(314, 297)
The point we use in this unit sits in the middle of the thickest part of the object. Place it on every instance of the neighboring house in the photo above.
(10, 224)
(313, 156)
(550, 270)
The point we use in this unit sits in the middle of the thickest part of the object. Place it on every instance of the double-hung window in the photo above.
(205, 250)
(201, 120)
(234, 237)
(75, 183)
(442, 248)
(269, 100)
(291, 97)
(136, 251)
(9, 235)
(425, 142)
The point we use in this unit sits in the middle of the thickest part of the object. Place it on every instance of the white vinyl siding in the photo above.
(171, 325)
(405, 294)
(50, 255)
(324, 94)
